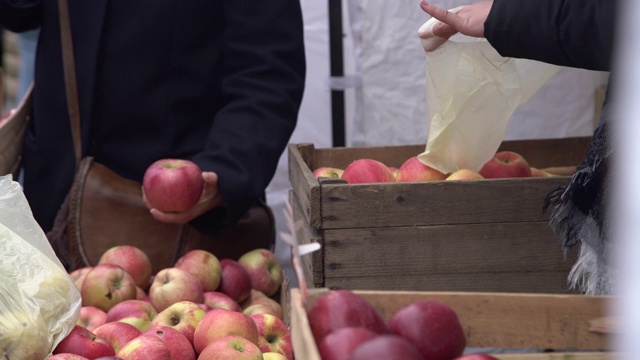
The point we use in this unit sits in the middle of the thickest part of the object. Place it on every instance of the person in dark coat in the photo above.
(573, 33)
(216, 82)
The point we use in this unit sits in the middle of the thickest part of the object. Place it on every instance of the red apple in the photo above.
(67, 356)
(264, 269)
(415, 170)
(476, 356)
(388, 347)
(172, 285)
(91, 317)
(141, 295)
(219, 323)
(506, 164)
(81, 341)
(117, 334)
(133, 260)
(343, 308)
(107, 285)
(216, 299)
(259, 309)
(172, 185)
(108, 358)
(78, 276)
(433, 327)
(327, 171)
(273, 335)
(464, 174)
(235, 281)
(367, 171)
(179, 345)
(257, 297)
(231, 348)
(138, 313)
(340, 343)
(203, 265)
(183, 316)
(146, 347)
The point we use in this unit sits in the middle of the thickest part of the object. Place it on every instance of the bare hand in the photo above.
(210, 198)
(468, 20)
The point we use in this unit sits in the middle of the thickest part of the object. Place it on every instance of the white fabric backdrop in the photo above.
(387, 104)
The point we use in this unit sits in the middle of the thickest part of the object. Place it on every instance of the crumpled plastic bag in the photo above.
(39, 303)
(472, 92)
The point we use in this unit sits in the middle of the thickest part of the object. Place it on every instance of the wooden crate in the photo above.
(564, 325)
(478, 235)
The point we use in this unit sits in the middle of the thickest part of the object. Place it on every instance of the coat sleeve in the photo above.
(20, 15)
(264, 72)
(574, 33)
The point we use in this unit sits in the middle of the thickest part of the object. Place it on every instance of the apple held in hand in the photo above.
(172, 285)
(327, 171)
(414, 170)
(231, 348)
(203, 265)
(343, 308)
(433, 327)
(133, 260)
(173, 185)
(107, 285)
(367, 171)
(81, 341)
(264, 269)
(273, 335)
(506, 164)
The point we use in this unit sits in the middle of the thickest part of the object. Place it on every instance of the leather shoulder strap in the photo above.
(70, 77)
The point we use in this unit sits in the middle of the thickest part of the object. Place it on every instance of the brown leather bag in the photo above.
(103, 209)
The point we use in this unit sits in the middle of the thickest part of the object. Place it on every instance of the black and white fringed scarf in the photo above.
(579, 215)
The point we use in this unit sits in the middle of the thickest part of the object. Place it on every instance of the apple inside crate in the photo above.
(471, 235)
(509, 326)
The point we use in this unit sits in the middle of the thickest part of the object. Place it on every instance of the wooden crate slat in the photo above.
(436, 203)
(529, 282)
(422, 250)
(311, 263)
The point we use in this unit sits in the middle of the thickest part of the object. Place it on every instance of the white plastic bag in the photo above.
(472, 91)
(39, 303)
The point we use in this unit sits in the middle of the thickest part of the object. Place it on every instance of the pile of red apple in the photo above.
(347, 327)
(201, 308)
(504, 164)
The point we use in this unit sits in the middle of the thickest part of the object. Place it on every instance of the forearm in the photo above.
(20, 15)
(574, 33)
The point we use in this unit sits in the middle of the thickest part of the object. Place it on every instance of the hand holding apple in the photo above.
(172, 185)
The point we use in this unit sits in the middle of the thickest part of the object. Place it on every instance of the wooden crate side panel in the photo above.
(436, 203)
(303, 183)
(489, 254)
(306, 234)
(518, 321)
